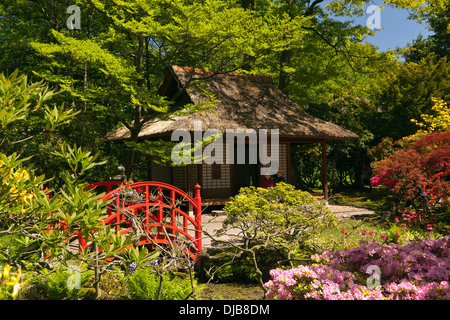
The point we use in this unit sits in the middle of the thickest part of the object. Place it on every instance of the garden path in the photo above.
(345, 212)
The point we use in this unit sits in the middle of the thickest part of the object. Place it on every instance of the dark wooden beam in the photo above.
(324, 170)
(289, 169)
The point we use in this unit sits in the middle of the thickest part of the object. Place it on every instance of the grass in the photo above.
(373, 199)
(231, 291)
(350, 231)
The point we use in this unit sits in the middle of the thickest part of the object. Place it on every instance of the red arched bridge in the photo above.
(156, 212)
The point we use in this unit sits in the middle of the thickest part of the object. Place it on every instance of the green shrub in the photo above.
(15, 248)
(279, 217)
(144, 285)
(64, 283)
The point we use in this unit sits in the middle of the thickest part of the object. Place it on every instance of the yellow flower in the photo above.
(5, 273)
(6, 278)
(21, 175)
(12, 179)
(15, 282)
(440, 121)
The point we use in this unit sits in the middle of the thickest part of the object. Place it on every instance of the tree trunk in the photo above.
(130, 151)
(285, 60)
(129, 163)
(161, 280)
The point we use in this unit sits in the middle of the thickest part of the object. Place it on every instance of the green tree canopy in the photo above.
(408, 94)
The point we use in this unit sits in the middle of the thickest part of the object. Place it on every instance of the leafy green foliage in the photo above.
(438, 43)
(142, 256)
(407, 95)
(44, 221)
(143, 38)
(17, 97)
(28, 122)
(64, 283)
(308, 159)
(279, 217)
(78, 160)
(345, 158)
(144, 284)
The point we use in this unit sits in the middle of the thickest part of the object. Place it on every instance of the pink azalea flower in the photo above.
(419, 270)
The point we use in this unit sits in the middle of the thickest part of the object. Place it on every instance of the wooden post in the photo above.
(189, 183)
(117, 219)
(198, 218)
(147, 209)
(172, 212)
(160, 214)
(149, 168)
(189, 180)
(288, 157)
(324, 170)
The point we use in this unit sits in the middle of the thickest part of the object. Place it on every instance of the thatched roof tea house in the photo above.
(246, 102)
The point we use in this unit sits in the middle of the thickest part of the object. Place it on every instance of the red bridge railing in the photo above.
(160, 209)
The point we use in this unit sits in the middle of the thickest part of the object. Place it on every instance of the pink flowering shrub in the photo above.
(418, 220)
(419, 271)
(383, 178)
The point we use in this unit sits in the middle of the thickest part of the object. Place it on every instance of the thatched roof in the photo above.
(246, 102)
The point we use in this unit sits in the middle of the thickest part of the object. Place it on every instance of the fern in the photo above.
(64, 283)
(144, 285)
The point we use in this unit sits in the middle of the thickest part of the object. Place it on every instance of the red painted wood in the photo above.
(154, 220)
(173, 233)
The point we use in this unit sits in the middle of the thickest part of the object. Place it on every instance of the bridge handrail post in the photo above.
(160, 215)
(198, 218)
(172, 212)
